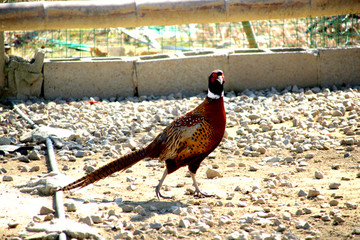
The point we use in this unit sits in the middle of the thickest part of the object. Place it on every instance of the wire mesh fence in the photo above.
(333, 31)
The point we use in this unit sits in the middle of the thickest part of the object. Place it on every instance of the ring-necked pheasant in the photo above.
(187, 141)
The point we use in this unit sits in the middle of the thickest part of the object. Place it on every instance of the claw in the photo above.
(197, 192)
(159, 195)
(201, 194)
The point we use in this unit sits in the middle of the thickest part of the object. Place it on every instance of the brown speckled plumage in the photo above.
(187, 141)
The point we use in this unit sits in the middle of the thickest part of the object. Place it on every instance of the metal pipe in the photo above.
(51, 155)
(22, 114)
(58, 198)
(135, 13)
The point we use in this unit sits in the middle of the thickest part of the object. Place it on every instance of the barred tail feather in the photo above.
(119, 164)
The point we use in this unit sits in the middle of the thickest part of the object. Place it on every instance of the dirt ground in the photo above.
(98, 199)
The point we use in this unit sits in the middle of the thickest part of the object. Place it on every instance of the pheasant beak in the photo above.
(221, 79)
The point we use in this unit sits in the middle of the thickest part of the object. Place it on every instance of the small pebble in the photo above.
(7, 178)
(253, 168)
(334, 185)
(46, 210)
(70, 207)
(13, 224)
(212, 173)
(319, 175)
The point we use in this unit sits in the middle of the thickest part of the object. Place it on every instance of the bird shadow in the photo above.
(149, 207)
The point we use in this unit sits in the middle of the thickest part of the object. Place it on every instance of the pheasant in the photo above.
(187, 141)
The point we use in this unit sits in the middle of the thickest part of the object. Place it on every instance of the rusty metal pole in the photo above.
(56, 15)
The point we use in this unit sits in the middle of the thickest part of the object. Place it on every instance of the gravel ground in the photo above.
(288, 168)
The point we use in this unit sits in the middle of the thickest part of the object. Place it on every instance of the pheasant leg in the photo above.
(158, 187)
(197, 189)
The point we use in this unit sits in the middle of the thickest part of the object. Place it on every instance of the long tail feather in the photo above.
(119, 164)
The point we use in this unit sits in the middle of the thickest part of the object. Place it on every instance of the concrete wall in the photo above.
(88, 77)
(188, 72)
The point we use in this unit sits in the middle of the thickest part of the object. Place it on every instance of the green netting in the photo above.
(313, 32)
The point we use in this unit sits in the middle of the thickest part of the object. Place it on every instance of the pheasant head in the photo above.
(216, 85)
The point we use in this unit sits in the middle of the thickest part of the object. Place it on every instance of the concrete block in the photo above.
(102, 78)
(339, 66)
(260, 69)
(187, 74)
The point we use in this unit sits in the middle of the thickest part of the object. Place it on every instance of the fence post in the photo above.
(249, 34)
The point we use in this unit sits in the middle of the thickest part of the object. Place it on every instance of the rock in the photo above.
(254, 116)
(334, 185)
(307, 210)
(65, 167)
(13, 224)
(333, 202)
(24, 159)
(335, 166)
(35, 169)
(303, 225)
(184, 223)
(319, 175)
(6, 140)
(45, 210)
(241, 204)
(338, 219)
(253, 168)
(96, 219)
(231, 165)
(271, 159)
(70, 207)
(348, 141)
(326, 218)
(7, 178)
(138, 232)
(89, 168)
(155, 225)
(180, 184)
(49, 217)
(131, 187)
(281, 228)
(238, 236)
(299, 212)
(127, 208)
(80, 154)
(350, 205)
(34, 155)
(356, 231)
(224, 220)
(36, 219)
(24, 168)
(286, 216)
(309, 155)
(313, 193)
(212, 173)
(140, 210)
(87, 220)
